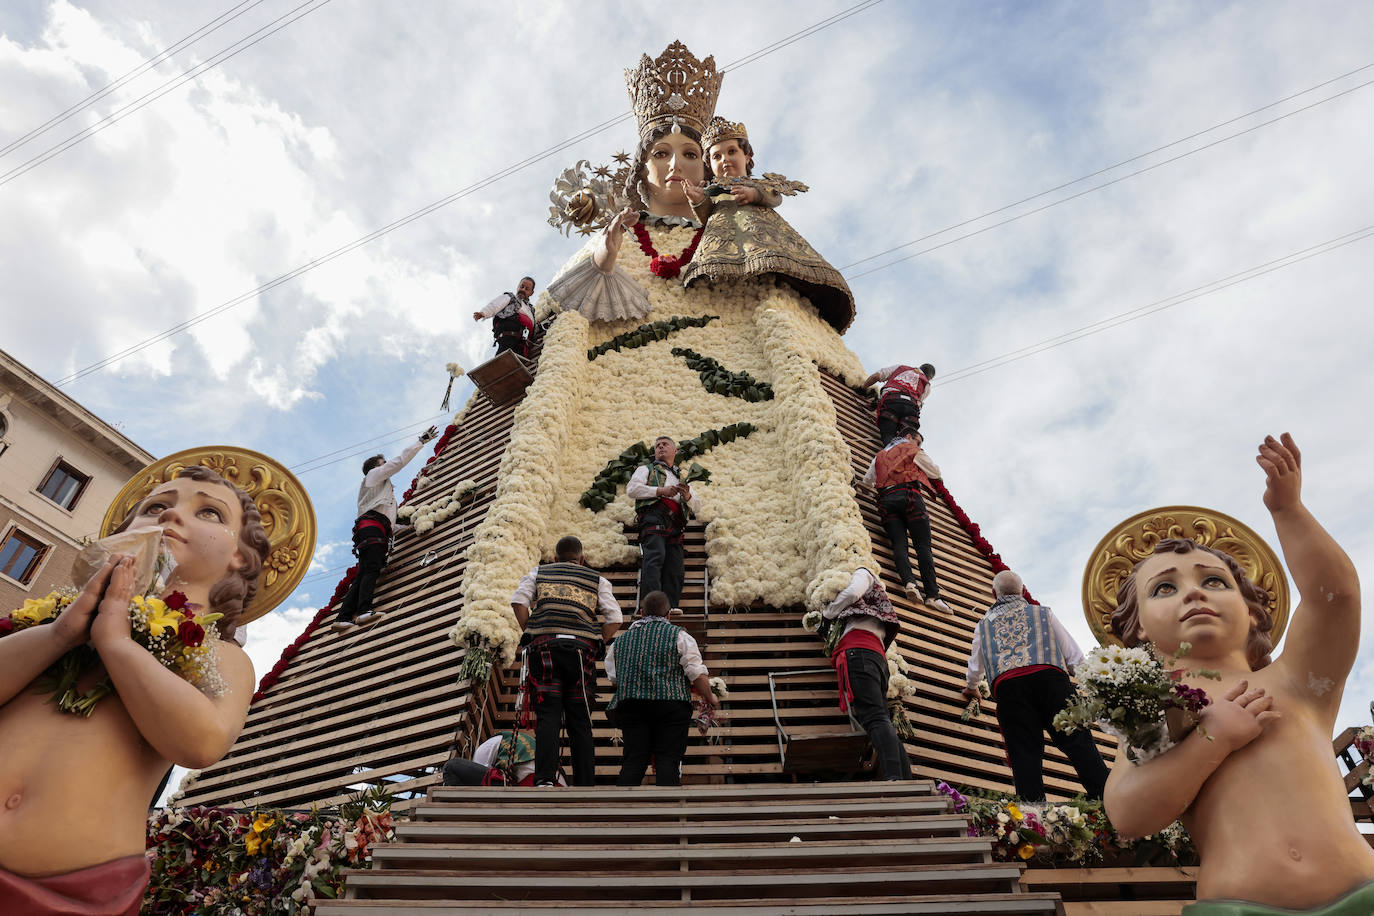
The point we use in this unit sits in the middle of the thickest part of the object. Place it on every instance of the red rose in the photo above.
(191, 633)
(6, 626)
(176, 601)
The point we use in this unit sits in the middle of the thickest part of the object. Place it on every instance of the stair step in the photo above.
(785, 792)
(695, 812)
(934, 905)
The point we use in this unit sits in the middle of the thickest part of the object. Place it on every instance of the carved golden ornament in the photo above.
(287, 514)
(675, 89)
(722, 129)
(1134, 539)
(582, 207)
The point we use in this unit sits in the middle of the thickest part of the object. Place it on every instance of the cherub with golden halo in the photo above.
(1255, 785)
(75, 789)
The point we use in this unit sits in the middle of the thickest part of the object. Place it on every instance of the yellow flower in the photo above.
(252, 843)
(37, 610)
(1014, 812)
(1026, 851)
(156, 615)
(262, 822)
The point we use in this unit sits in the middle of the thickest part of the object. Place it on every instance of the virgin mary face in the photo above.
(672, 161)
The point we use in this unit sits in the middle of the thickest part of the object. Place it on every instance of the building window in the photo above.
(20, 556)
(64, 485)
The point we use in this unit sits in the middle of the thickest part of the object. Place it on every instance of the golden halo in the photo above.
(1134, 539)
(287, 515)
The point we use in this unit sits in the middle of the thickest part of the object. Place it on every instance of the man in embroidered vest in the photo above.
(904, 390)
(899, 472)
(1026, 655)
(568, 612)
(512, 318)
(860, 661)
(662, 502)
(655, 666)
(372, 533)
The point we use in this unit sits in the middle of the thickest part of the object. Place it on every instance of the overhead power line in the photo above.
(152, 95)
(1159, 305)
(436, 205)
(210, 27)
(1063, 200)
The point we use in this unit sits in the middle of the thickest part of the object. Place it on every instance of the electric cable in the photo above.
(205, 30)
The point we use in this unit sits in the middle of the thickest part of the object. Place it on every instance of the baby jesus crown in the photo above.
(721, 129)
(675, 89)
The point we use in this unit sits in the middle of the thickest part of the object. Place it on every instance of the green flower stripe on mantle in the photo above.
(716, 379)
(648, 333)
(620, 469)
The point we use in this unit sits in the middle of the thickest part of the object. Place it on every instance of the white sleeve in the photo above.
(931, 469)
(524, 592)
(693, 502)
(885, 373)
(610, 662)
(384, 470)
(860, 582)
(690, 654)
(638, 487)
(975, 659)
(486, 751)
(1073, 655)
(494, 306)
(605, 600)
(871, 475)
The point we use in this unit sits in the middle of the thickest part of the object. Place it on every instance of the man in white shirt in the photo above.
(568, 612)
(662, 502)
(655, 666)
(1026, 656)
(860, 663)
(506, 758)
(372, 532)
(512, 318)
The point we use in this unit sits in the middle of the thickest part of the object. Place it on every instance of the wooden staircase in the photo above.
(802, 850)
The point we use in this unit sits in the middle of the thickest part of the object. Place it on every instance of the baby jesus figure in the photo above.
(75, 790)
(1256, 785)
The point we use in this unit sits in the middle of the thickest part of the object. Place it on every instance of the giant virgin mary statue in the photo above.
(731, 367)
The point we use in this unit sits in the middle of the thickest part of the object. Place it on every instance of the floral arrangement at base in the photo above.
(261, 863)
(1364, 743)
(424, 516)
(1130, 694)
(1076, 832)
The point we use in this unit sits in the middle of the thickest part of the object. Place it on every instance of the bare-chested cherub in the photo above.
(1259, 792)
(74, 791)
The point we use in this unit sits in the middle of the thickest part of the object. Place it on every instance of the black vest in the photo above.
(565, 601)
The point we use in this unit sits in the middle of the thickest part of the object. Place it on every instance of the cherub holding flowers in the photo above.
(1256, 784)
(75, 789)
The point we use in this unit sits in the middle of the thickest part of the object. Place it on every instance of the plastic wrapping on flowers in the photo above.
(261, 862)
(1076, 832)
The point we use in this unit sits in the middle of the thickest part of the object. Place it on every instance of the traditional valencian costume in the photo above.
(653, 665)
(869, 625)
(568, 604)
(661, 522)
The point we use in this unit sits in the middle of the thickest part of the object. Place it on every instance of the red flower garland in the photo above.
(975, 533)
(667, 267)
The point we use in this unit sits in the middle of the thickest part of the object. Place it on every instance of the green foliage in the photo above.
(620, 469)
(716, 379)
(648, 333)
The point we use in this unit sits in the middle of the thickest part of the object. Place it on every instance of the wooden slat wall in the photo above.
(383, 704)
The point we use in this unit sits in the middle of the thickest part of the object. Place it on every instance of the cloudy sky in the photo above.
(921, 125)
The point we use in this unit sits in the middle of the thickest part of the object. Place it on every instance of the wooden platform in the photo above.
(855, 848)
(504, 377)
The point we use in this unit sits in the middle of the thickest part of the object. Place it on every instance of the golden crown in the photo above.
(721, 129)
(675, 89)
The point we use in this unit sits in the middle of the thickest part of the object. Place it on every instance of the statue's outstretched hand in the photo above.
(1282, 463)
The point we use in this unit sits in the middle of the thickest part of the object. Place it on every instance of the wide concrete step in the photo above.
(982, 905)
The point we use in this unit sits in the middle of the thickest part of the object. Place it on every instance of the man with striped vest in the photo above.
(899, 470)
(568, 612)
(904, 391)
(655, 666)
(1026, 655)
(860, 660)
(662, 502)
